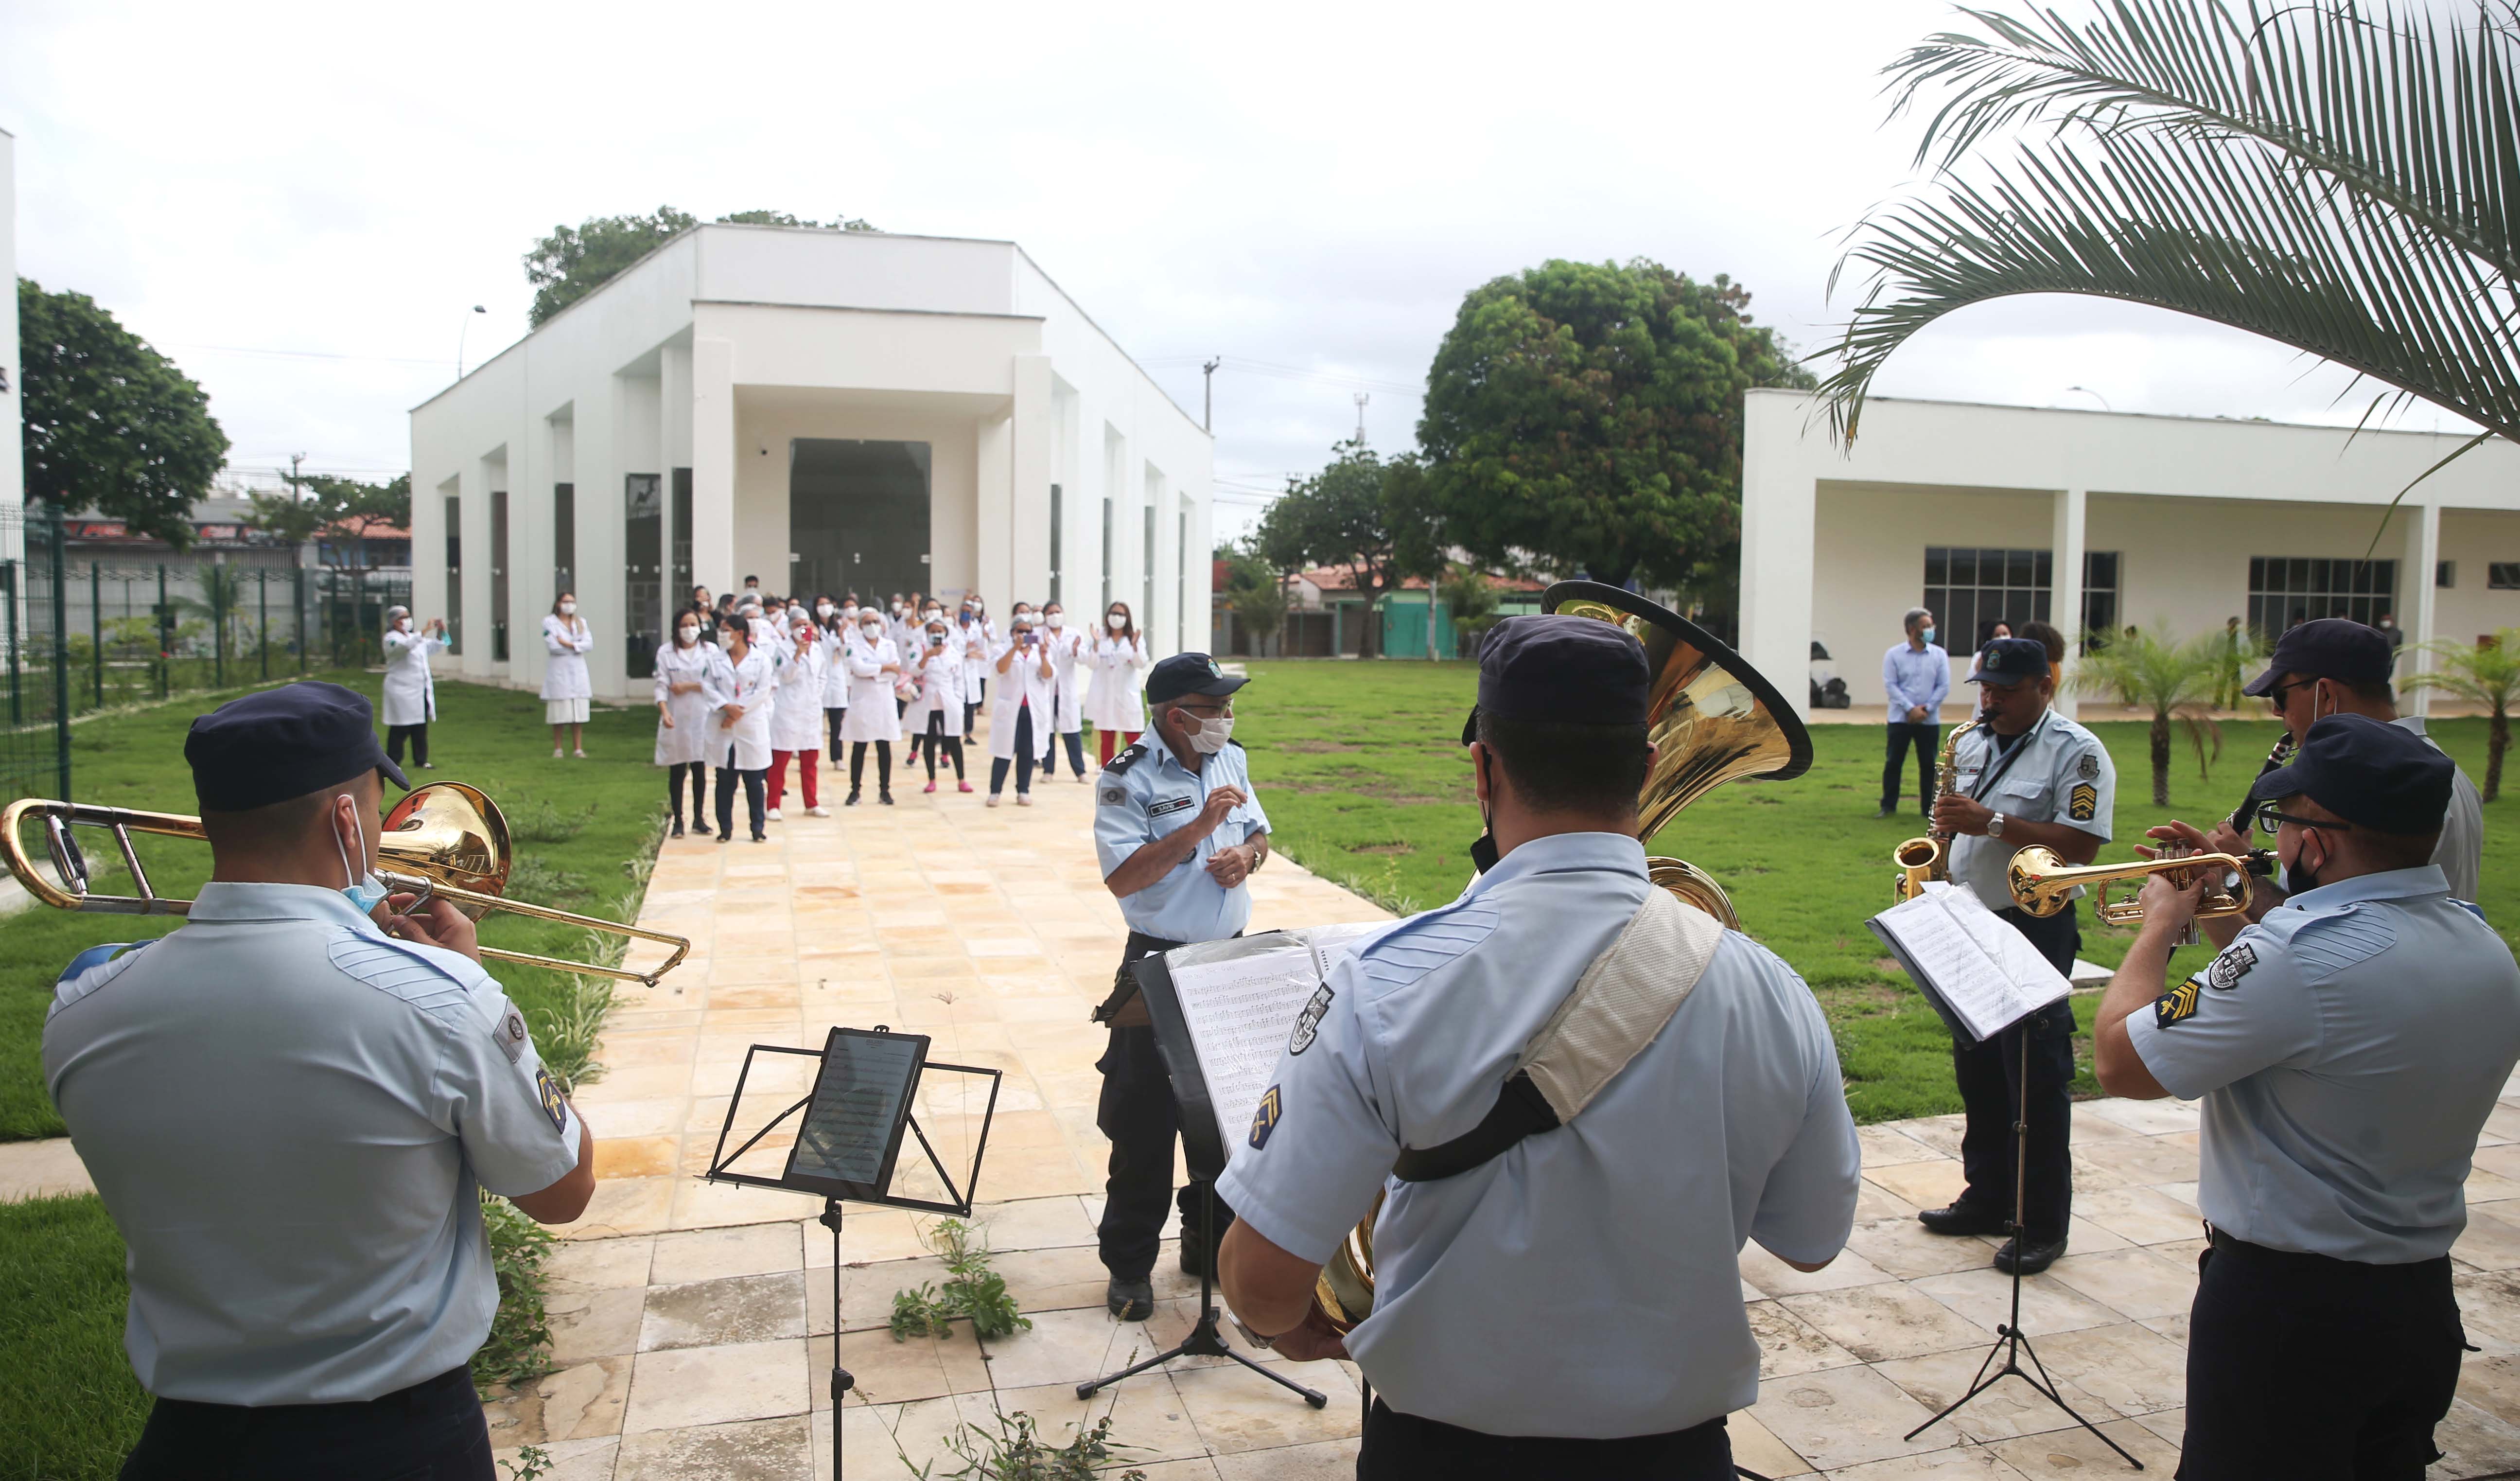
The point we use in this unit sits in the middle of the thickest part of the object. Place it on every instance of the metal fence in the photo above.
(83, 633)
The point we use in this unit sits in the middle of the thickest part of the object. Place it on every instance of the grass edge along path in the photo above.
(70, 1406)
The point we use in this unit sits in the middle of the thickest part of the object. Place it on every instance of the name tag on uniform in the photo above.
(1171, 805)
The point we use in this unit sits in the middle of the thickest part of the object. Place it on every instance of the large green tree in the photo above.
(112, 424)
(574, 261)
(1589, 415)
(1358, 513)
(316, 503)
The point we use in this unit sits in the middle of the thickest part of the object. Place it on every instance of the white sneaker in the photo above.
(581, 755)
(818, 812)
(1081, 779)
(555, 753)
(772, 815)
(993, 799)
(1023, 800)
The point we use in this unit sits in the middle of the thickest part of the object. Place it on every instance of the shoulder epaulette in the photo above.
(1128, 757)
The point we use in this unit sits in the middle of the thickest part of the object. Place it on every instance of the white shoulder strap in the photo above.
(1621, 1002)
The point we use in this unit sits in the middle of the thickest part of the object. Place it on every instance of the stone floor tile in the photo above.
(1873, 1203)
(1324, 1460)
(570, 1460)
(1984, 1297)
(2074, 1452)
(699, 1204)
(714, 1313)
(2493, 1385)
(2129, 1367)
(581, 1402)
(1756, 1448)
(1961, 1462)
(2489, 1243)
(1055, 1278)
(1201, 1470)
(2009, 1408)
(1777, 1278)
(2142, 1161)
(758, 1249)
(593, 1324)
(2473, 1442)
(2152, 1118)
(1875, 1322)
(601, 1264)
(1940, 1132)
(637, 1156)
(765, 1450)
(2174, 1328)
(1147, 1415)
(678, 1388)
(2133, 1283)
(881, 1439)
(1888, 1146)
(1236, 1409)
(1924, 1184)
(868, 1235)
(889, 1370)
(1843, 1417)
(1790, 1345)
(2170, 1425)
(654, 1116)
(2139, 1215)
(1068, 1347)
(1908, 1249)
(2088, 1126)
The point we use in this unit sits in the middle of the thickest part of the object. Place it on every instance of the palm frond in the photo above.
(2487, 674)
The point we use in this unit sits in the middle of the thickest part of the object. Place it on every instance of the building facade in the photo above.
(12, 400)
(828, 411)
(2174, 524)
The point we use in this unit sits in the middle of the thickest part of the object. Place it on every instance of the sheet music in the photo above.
(1986, 971)
(1240, 1011)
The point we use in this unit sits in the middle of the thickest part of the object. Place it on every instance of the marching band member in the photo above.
(291, 1111)
(1112, 705)
(874, 665)
(567, 690)
(1603, 1248)
(939, 706)
(1068, 647)
(410, 693)
(796, 717)
(739, 694)
(2025, 774)
(683, 716)
(1019, 731)
(2348, 1046)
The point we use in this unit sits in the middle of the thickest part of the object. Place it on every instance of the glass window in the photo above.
(2502, 575)
(498, 575)
(643, 549)
(1969, 590)
(455, 576)
(564, 538)
(1056, 532)
(2285, 591)
(2445, 574)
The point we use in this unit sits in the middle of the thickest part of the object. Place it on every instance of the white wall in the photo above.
(13, 402)
(2469, 610)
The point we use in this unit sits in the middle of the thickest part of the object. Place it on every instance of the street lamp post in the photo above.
(458, 339)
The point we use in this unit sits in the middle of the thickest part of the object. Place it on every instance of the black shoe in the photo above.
(884, 796)
(678, 828)
(1198, 1260)
(2032, 1256)
(1965, 1218)
(851, 800)
(1130, 1300)
(1887, 812)
(727, 836)
(760, 837)
(699, 827)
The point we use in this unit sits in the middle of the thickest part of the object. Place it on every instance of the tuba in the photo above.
(1712, 719)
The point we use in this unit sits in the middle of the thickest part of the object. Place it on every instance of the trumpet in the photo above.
(2044, 884)
(445, 839)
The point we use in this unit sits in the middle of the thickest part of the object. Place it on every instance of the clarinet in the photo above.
(2260, 860)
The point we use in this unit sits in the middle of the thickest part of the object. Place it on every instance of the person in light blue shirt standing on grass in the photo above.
(1916, 674)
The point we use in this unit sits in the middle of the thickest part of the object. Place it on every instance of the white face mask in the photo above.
(402, 624)
(849, 613)
(977, 607)
(1025, 618)
(870, 631)
(568, 609)
(897, 606)
(687, 634)
(1115, 622)
(1209, 736)
(1057, 620)
(821, 608)
(931, 614)
(936, 637)
(365, 891)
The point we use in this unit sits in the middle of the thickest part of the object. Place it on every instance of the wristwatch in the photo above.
(1995, 825)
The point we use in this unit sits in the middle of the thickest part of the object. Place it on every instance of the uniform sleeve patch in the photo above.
(2225, 971)
(1171, 805)
(2089, 768)
(2083, 801)
(512, 1035)
(547, 1091)
(2174, 1006)
(1265, 1119)
(1308, 1023)
(1113, 796)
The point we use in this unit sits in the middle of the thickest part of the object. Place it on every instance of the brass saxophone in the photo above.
(1929, 858)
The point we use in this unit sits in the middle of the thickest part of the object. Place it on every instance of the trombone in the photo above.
(2044, 884)
(445, 839)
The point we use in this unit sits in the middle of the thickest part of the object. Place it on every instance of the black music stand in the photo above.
(848, 1146)
(1203, 1148)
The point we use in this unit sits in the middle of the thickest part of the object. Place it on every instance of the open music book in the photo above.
(1978, 972)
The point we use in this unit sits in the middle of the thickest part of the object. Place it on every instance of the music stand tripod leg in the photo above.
(1204, 1339)
(842, 1380)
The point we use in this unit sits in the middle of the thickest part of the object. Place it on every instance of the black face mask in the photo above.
(2299, 876)
(1483, 850)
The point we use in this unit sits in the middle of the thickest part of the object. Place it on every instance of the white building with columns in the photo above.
(828, 411)
(2175, 524)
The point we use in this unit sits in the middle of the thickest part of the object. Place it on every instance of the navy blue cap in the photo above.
(2010, 661)
(2368, 772)
(281, 743)
(1189, 674)
(1563, 668)
(2328, 648)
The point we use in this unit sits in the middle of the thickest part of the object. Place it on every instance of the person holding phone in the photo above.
(1069, 649)
(1020, 732)
(939, 706)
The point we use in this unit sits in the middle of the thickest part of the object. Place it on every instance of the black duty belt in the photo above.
(1124, 985)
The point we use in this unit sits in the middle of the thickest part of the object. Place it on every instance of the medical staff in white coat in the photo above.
(938, 709)
(797, 721)
(980, 645)
(1069, 650)
(836, 629)
(682, 717)
(1112, 704)
(409, 694)
(1019, 728)
(738, 695)
(567, 690)
(875, 666)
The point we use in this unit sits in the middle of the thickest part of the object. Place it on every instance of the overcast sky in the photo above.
(300, 203)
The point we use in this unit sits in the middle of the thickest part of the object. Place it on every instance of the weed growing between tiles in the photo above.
(971, 1289)
(1015, 1451)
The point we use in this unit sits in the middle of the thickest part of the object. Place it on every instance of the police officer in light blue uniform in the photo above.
(1571, 1306)
(289, 1112)
(1178, 830)
(2349, 1048)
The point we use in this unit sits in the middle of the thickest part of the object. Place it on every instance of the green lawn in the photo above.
(1361, 771)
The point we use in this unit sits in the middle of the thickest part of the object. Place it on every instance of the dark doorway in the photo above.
(857, 516)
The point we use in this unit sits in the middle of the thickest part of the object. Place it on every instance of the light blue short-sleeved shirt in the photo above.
(1602, 1254)
(286, 1113)
(2348, 1047)
(2057, 771)
(1145, 793)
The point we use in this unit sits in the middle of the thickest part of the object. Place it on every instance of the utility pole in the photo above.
(1360, 398)
(1207, 404)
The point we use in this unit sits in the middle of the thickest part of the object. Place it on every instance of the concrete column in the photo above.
(1779, 499)
(674, 450)
(475, 517)
(2423, 553)
(992, 517)
(529, 547)
(712, 414)
(2072, 515)
(1035, 468)
(596, 458)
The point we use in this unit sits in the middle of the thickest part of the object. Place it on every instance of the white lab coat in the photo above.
(569, 639)
(1068, 647)
(1112, 705)
(940, 691)
(835, 667)
(797, 721)
(409, 694)
(1023, 683)
(979, 654)
(870, 716)
(743, 744)
(688, 739)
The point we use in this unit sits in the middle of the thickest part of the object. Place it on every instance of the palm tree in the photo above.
(2175, 679)
(2487, 674)
(2335, 175)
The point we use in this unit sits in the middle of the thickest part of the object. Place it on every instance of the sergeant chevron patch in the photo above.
(2083, 801)
(2174, 1006)
(1265, 1119)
